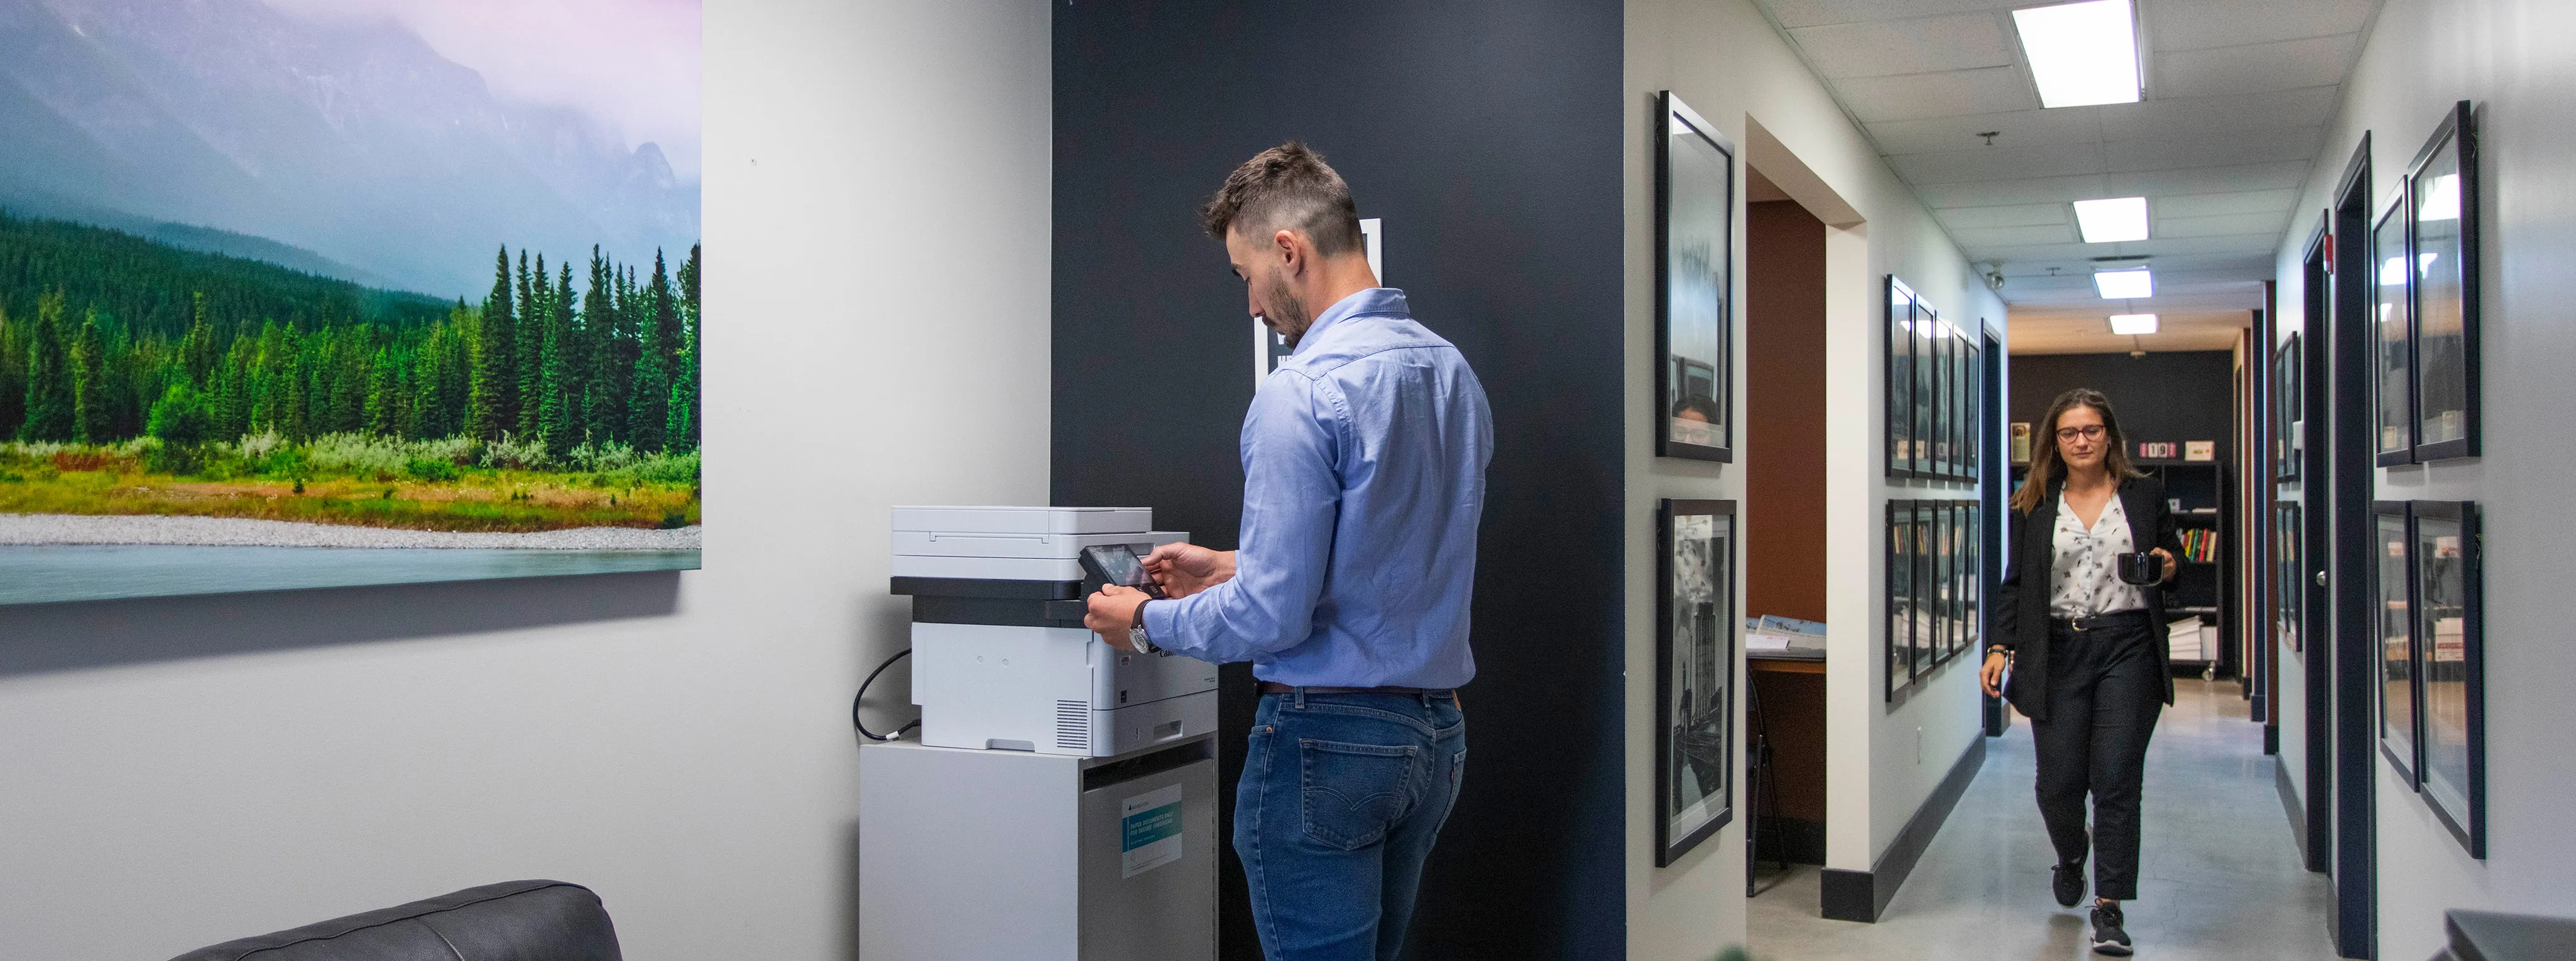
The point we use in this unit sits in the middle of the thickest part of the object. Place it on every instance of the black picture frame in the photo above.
(1695, 673)
(1975, 575)
(2286, 411)
(1971, 380)
(1927, 595)
(2442, 215)
(1899, 571)
(2451, 667)
(1944, 586)
(1945, 402)
(1695, 198)
(1898, 378)
(1926, 384)
(2393, 633)
(2392, 382)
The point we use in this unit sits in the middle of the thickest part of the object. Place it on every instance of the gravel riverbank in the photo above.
(54, 529)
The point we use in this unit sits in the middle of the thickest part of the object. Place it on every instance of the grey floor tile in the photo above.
(2218, 875)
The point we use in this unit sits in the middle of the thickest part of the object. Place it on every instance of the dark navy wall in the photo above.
(1487, 136)
(2179, 396)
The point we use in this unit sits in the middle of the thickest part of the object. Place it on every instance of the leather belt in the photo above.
(1274, 687)
(2098, 622)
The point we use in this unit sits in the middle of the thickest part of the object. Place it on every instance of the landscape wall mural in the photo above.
(313, 293)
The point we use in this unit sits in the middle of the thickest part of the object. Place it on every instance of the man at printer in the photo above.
(1364, 460)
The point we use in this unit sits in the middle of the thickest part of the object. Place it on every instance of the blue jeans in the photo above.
(1341, 798)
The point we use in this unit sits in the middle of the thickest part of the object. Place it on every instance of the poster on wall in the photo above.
(320, 293)
(1695, 676)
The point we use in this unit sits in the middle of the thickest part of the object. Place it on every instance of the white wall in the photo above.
(176, 773)
(1729, 64)
(2510, 57)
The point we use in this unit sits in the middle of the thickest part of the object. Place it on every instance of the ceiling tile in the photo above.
(2207, 180)
(1809, 13)
(2011, 215)
(2231, 113)
(2251, 68)
(1986, 90)
(2270, 225)
(1979, 238)
(1989, 163)
(2294, 144)
(2194, 24)
(2020, 128)
(2019, 190)
(2211, 205)
(1879, 48)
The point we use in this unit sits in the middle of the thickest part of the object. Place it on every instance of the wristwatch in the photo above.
(1136, 632)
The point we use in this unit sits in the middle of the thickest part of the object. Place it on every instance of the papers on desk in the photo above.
(1774, 634)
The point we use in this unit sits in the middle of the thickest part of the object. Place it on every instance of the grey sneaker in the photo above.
(2108, 938)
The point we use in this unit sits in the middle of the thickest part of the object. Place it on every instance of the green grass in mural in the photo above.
(449, 484)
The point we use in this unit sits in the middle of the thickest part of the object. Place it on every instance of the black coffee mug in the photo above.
(2140, 568)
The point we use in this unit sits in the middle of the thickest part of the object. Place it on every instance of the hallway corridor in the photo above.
(2219, 877)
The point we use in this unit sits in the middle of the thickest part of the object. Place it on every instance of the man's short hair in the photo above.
(1287, 187)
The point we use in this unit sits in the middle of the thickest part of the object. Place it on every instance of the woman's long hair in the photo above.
(2046, 470)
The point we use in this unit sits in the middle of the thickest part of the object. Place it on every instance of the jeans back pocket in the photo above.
(1351, 794)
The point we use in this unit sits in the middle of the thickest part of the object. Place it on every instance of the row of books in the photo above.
(2200, 544)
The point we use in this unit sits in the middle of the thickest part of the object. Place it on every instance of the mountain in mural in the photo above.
(350, 150)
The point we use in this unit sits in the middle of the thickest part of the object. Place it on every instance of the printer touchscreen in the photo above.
(1117, 564)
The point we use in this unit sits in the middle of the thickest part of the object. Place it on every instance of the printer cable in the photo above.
(863, 695)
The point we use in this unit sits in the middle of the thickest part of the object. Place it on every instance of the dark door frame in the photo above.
(1994, 468)
(2349, 474)
(2316, 654)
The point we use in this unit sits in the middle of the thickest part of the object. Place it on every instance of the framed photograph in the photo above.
(1973, 387)
(1899, 642)
(2442, 197)
(1900, 378)
(2289, 594)
(1926, 385)
(2392, 321)
(1694, 675)
(1927, 591)
(2286, 400)
(2394, 601)
(1943, 584)
(1695, 286)
(420, 326)
(1945, 399)
(2451, 676)
(2021, 442)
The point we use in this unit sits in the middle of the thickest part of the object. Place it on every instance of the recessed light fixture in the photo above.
(2129, 284)
(2112, 220)
(2081, 54)
(2131, 325)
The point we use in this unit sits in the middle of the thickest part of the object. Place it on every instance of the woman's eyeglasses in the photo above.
(2087, 432)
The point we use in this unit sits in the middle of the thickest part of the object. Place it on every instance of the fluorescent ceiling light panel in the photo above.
(2128, 284)
(2081, 54)
(2130, 325)
(2113, 220)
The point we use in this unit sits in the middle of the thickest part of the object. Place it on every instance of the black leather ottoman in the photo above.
(510, 921)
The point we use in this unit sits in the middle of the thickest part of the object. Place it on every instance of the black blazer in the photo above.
(2021, 614)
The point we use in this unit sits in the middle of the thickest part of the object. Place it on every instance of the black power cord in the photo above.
(863, 694)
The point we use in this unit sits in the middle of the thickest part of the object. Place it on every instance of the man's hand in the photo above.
(1186, 569)
(1112, 612)
(1991, 675)
(2169, 568)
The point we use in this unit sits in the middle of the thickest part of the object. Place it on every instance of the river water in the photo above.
(35, 575)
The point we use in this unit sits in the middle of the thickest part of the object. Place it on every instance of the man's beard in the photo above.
(1286, 313)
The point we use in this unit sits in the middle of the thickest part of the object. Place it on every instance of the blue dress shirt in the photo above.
(1363, 480)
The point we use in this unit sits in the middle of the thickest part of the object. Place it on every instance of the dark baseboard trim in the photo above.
(1798, 840)
(2290, 803)
(2272, 740)
(1863, 895)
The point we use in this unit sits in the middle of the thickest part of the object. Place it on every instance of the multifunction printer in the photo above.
(1000, 659)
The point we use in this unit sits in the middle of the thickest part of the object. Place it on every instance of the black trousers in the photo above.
(2103, 700)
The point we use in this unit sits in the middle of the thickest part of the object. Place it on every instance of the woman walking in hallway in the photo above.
(2087, 666)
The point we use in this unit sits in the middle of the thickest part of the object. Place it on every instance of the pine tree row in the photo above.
(617, 362)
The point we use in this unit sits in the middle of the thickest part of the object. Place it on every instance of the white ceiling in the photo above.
(2238, 95)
